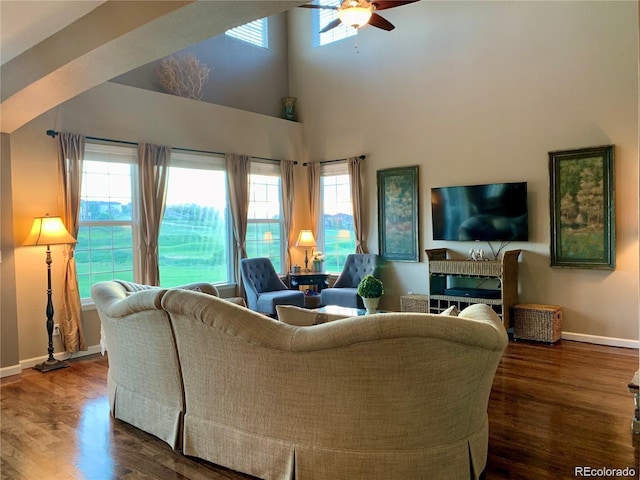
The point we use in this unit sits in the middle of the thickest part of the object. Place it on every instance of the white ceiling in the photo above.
(24, 24)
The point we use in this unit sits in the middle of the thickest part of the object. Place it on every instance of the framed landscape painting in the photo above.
(582, 208)
(398, 214)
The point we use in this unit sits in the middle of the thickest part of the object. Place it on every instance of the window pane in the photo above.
(322, 17)
(193, 243)
(106, 191)
(97, 259)
(105, 238)
(254, 32)
(264, 223)
(337, 221)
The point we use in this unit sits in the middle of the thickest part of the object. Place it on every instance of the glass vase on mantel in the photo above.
(289, 108)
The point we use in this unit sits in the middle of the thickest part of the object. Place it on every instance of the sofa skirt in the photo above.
(274, 459)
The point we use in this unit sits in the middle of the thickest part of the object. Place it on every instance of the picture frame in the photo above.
(582, 204)
(398, 230)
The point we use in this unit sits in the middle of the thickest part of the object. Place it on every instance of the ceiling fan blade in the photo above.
(311, 5)
(331, 25)
(379, 22)
(384, 4)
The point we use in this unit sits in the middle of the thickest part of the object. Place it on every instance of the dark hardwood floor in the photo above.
(552, 409)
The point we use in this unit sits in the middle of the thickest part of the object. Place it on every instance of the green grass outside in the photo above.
(186, 254)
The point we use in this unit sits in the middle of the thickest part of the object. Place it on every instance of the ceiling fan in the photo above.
(358, 13)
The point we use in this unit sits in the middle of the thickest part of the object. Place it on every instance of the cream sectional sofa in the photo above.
(388, 396)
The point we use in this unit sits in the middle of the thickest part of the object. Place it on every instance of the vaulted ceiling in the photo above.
(54, 50)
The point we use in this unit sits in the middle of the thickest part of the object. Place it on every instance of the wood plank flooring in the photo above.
(552, 408)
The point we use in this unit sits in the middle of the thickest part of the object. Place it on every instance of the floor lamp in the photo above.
(49, 231)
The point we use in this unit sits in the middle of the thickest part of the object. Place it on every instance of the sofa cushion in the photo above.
(452, 311)
(303, 317)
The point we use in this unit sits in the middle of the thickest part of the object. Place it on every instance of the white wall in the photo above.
(480, 92)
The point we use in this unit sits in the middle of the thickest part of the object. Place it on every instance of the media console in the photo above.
(442, 295)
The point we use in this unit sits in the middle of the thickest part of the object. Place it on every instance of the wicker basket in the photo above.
(414, 303)
(542, 323)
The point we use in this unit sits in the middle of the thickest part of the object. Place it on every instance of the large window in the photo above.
(255, 32)
(264, 228)
(108, 216)
(321, 18)
(336, 230)
(194, 236)
(195, 242)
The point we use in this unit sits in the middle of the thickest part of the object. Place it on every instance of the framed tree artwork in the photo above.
(398, 214)
(582, 208)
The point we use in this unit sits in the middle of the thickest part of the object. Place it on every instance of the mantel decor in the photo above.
(398, 214)
(582, 208)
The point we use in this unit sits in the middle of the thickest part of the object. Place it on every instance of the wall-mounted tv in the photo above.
(493, 212)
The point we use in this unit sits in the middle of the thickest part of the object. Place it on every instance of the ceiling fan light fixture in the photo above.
(355, 16)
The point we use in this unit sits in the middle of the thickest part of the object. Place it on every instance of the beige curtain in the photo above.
(238, 170)
(70, 159)
(286, 173)
(355, 179)
(313, 175)
(153, 162)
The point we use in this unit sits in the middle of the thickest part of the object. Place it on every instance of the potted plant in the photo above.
(370, 289)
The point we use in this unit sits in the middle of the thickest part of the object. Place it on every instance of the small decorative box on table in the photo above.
(414, 303)
(541, 323)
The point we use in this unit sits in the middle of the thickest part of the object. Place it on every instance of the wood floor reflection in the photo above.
(552, 408)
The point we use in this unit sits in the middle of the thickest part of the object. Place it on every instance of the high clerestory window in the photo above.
(255, 32)
(321, 18)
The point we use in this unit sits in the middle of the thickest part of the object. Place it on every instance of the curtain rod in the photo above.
(361, 157)
(53, 134)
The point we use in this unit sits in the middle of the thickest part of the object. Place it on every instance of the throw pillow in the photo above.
(303, 317)
(451, 311)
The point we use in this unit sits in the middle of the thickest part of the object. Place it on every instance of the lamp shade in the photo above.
(355, 16)
(48, 231)
(306, 239)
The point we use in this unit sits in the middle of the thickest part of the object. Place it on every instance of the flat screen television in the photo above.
(493, 212)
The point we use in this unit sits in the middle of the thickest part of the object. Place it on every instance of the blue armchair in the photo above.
(264, 288)
(344, 291)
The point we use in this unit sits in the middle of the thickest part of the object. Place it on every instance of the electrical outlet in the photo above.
(56, 330)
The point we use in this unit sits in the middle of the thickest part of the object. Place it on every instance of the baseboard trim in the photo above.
(600, 340)
(31, 362)
(9, 371)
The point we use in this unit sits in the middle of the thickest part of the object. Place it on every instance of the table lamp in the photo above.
(306, 240)
(49, 231)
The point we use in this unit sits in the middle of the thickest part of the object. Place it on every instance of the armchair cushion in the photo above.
(264, 288)
(344, 291)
